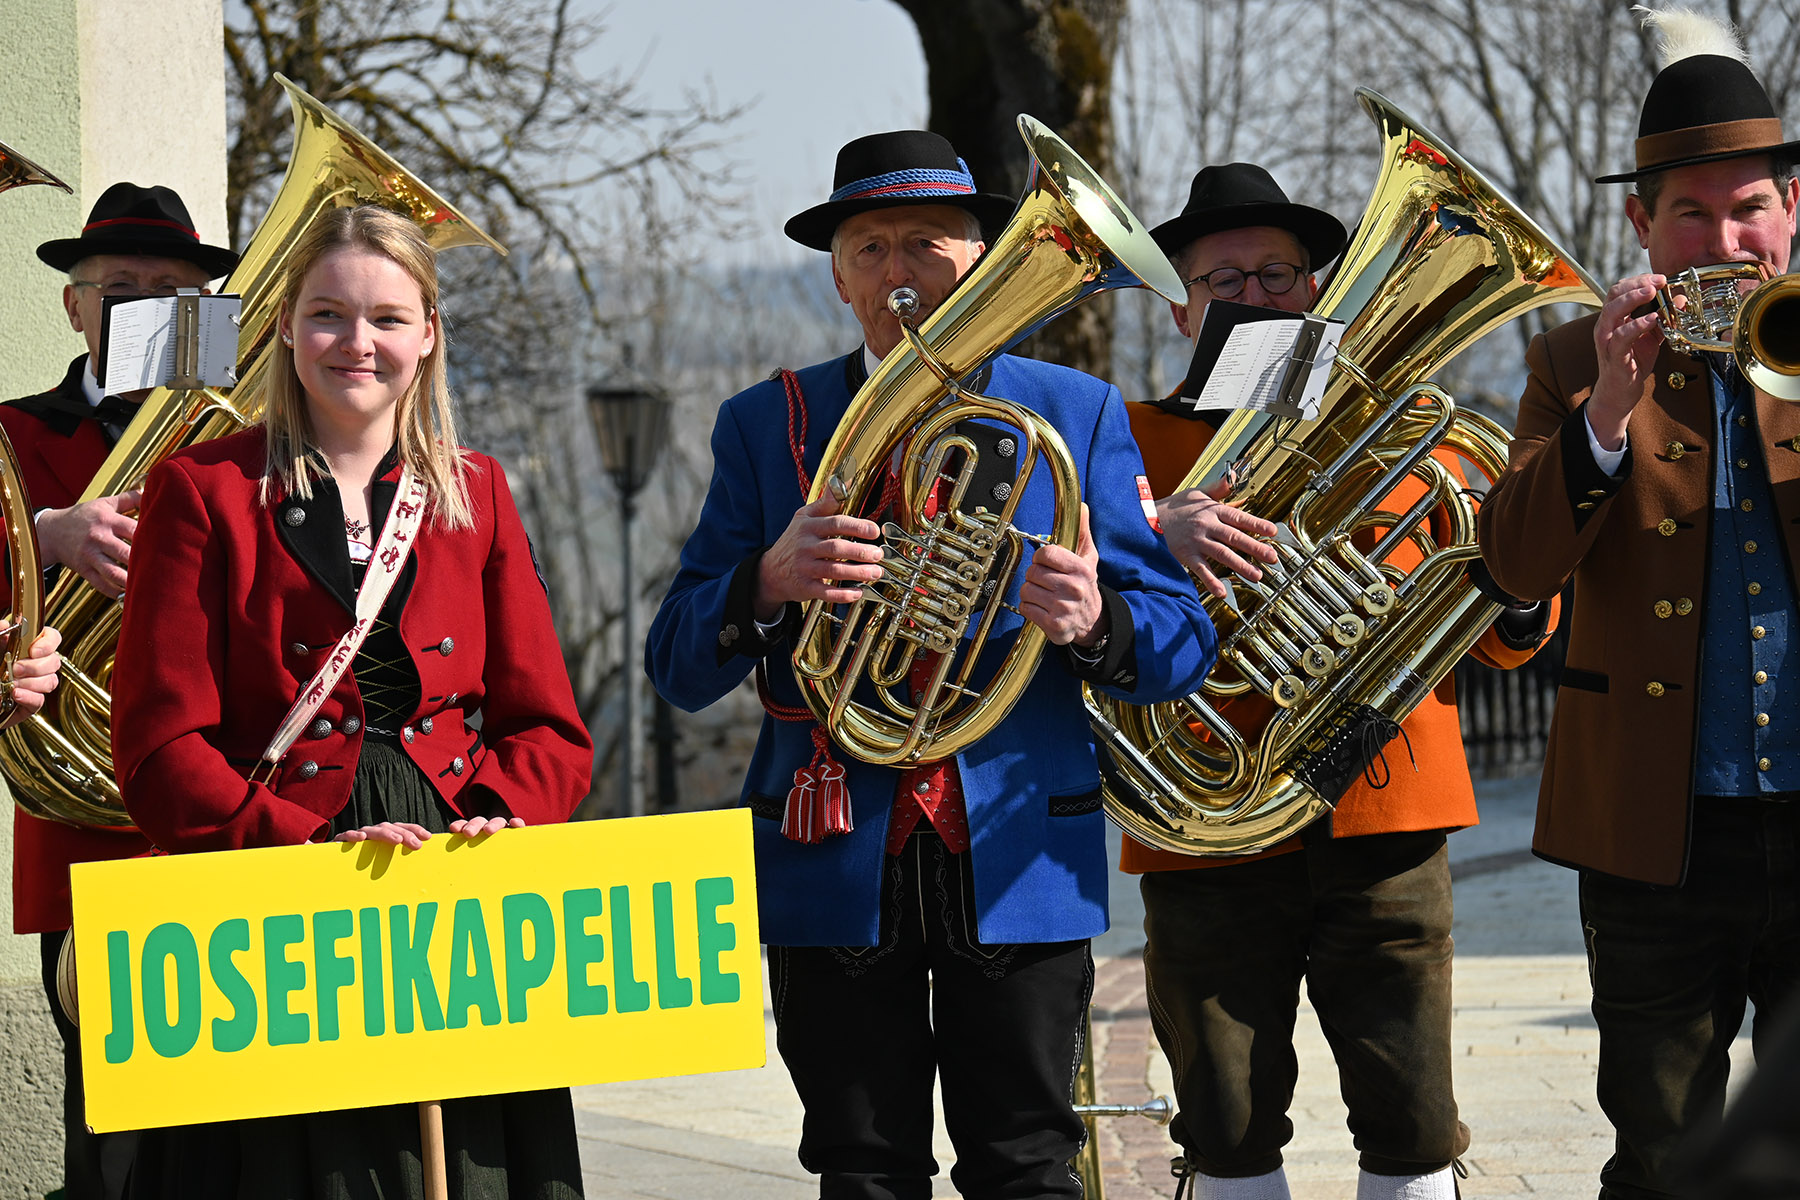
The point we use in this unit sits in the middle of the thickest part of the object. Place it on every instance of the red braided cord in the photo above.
(797, 444)
(797, 439)
(796, 414)
(774, 707)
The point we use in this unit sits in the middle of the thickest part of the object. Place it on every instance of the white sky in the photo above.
(820, 71)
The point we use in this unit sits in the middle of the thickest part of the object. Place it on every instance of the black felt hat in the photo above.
(1241, 195)
(887, 170)
(128, 219)
(1703, 109)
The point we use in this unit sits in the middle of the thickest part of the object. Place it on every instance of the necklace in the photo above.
(356, 529)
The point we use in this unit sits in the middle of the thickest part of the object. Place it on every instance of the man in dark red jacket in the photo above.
(137, 242)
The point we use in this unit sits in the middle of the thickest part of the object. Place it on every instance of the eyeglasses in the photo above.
(125, 291)
(1227, 282)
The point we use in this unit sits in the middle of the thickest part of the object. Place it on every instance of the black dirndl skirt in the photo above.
(520, 1146)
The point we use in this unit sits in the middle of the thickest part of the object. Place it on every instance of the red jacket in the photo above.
(233, 604)
(59, 450)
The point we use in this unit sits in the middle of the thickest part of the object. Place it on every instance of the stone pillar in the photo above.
(95, 91)
(98, 91)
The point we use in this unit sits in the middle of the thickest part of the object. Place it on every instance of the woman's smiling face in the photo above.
(359, 329)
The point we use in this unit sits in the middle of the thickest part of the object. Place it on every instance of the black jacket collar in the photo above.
(313, 531)
(64, 407)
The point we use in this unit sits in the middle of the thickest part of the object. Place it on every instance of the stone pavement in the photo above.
(1525, 1075)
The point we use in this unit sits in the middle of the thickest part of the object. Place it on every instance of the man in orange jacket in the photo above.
(1358, 905)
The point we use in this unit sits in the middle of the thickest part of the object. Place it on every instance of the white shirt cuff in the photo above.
(1607, 460)
(44, 562)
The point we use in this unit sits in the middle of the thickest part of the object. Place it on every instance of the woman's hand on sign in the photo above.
(476, 826)
(394, 833)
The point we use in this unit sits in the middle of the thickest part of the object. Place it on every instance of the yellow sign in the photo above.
(258, 982)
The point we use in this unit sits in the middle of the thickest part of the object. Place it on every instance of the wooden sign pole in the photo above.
(431, 1149)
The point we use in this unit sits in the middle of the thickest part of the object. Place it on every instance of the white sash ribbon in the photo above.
(391, 549)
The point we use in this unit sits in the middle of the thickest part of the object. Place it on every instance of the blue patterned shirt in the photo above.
(1749, 741)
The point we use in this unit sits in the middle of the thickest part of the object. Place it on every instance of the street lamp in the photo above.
(631, 424)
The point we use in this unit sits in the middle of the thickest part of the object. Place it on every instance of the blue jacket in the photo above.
(1032, 786)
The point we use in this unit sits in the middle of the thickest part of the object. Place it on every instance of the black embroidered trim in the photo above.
(1353, 741)
(1075, 806)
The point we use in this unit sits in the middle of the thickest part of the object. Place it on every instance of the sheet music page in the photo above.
(219, 339)
(1254, 363)
(140, 343)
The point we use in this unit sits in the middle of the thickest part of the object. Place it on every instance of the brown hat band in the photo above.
(1706, 141)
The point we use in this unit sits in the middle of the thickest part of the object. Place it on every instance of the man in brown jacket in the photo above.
(1668, 489)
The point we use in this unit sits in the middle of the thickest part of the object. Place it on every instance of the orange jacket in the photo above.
(1439, 793)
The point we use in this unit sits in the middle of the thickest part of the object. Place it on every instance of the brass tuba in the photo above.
(1760, 327)
(1069, 239)
(1335, 646)
(60, 761)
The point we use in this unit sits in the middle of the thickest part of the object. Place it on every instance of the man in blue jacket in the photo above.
(945, 933)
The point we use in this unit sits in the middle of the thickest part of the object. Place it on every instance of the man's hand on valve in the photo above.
(1206, 533)
(818, 557)
(1061, 591)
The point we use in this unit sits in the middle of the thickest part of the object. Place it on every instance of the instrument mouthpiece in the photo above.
(904, 303)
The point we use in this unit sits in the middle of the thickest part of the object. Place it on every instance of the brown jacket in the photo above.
(1618, 775)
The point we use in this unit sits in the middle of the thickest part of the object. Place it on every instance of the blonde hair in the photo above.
(424, 419)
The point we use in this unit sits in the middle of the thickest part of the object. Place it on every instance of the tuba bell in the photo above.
(16, 171)
(1323, 657)
(59, 762)
(1069, 239)
(1760, 326)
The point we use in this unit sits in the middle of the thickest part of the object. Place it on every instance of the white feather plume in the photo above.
(1683, 33)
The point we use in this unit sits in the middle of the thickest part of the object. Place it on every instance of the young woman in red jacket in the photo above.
(249, 561)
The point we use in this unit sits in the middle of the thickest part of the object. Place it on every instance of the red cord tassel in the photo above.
(819, 804)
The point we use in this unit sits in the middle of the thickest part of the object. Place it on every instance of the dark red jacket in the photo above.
(232, 606)
(59, 449)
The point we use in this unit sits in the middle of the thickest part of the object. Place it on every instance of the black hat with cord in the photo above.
(887, 170)
(1242, 195)
(133, 220)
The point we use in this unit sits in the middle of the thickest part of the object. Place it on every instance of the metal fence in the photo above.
(1506, 714)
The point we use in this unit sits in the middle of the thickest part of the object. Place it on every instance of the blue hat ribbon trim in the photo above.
(918, 182)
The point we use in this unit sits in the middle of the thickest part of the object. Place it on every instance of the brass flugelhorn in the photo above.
(1709, 308)
(1335, 645)
(59, 762)
(1069, 239)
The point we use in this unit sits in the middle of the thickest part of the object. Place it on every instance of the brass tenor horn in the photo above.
(16, 171)
(1069, 239)
(60, 761)
(1760, 327)
(1335, 645)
